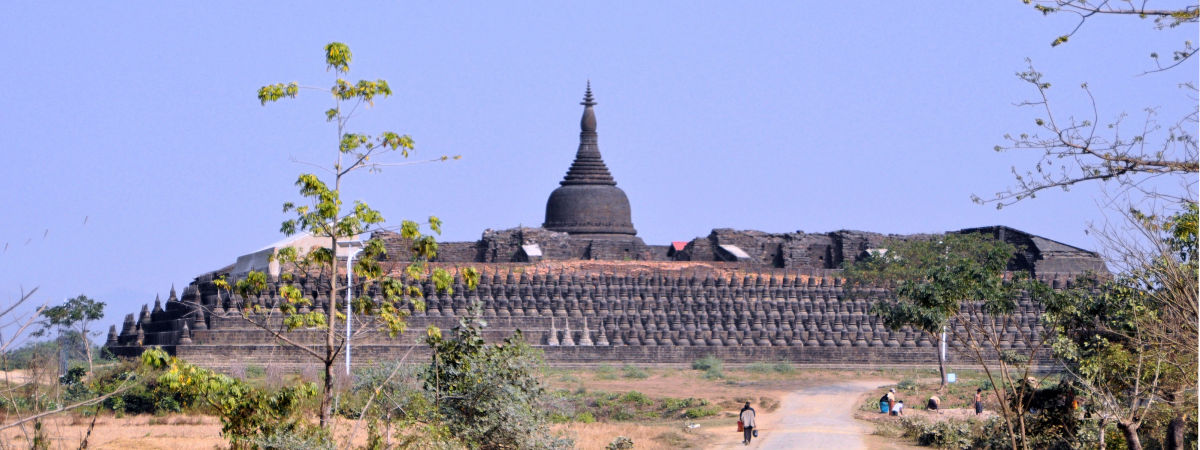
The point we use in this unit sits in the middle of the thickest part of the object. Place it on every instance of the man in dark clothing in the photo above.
(747, 419)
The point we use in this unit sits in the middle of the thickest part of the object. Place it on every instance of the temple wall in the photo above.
(587, 317)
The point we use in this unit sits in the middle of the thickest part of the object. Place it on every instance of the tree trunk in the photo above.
(87, 349)
(937, 346)
(1174, 440)
(330, 350)
(327, 394)
(1103, 430)
(1130, 430)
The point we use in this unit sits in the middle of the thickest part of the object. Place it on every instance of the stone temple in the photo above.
(586, 289)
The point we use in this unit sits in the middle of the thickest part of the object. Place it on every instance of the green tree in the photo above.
(1130, 342)
(960, 283)
(489, 396)
(323, 214)
(75, 315)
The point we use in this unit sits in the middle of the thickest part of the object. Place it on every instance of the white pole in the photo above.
(349, 296)
(943, 343)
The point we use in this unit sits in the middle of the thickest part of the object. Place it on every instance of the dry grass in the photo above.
(184, 432)
(657, 436)
(142, 432)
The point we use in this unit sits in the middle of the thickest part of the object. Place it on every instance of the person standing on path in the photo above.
(747, 418)
(891, 399)
(978, 401)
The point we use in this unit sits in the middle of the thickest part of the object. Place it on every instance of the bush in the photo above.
(585, 417)
(703, 411)
(636, 398)
(945, 434)
(907, 384)
(714, 373)
(620, 443)
(708, 363)
(634, 372)
(491, 394)
(675, 404)
(310, 439)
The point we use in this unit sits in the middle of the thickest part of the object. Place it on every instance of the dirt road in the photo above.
(818, 417)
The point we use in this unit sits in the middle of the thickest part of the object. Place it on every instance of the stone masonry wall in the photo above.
(654, 316)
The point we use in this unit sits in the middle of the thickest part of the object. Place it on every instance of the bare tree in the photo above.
(1094, 149)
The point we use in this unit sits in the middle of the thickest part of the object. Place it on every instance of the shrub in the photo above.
(310, 439)
(784, 368)
(943, 434)
(676, 404)
(907, 384)
(585, 417)
(634, 372)
(708, 363)
(636, 398)
(490, 393)
(700, 412)
(620, 443)
(714, 373)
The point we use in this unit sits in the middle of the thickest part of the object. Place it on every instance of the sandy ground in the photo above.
(819, 417)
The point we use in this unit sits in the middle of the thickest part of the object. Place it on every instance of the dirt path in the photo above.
(820, 417)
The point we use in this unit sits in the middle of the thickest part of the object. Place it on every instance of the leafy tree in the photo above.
(1130, 342)
(490, 396)
(1091, 149)
(75, 315)
(324, 214)
(960, 283)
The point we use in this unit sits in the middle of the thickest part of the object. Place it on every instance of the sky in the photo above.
(136, 155)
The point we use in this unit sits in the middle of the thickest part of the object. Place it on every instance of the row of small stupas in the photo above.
(586, 289)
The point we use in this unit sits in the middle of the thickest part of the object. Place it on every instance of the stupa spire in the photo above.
(588, 167)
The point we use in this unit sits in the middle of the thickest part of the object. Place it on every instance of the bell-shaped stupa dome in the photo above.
(588, 203)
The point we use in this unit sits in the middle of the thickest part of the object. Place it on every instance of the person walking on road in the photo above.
(747, 418)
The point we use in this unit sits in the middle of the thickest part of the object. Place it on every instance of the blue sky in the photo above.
(137, 157)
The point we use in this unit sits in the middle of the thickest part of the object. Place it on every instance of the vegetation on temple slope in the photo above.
(324, 214)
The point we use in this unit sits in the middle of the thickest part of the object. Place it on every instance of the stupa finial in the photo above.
(588, 100)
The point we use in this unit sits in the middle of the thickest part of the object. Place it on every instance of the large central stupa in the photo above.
(588, 204)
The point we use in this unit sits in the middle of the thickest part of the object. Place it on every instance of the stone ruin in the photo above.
(585, 289)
